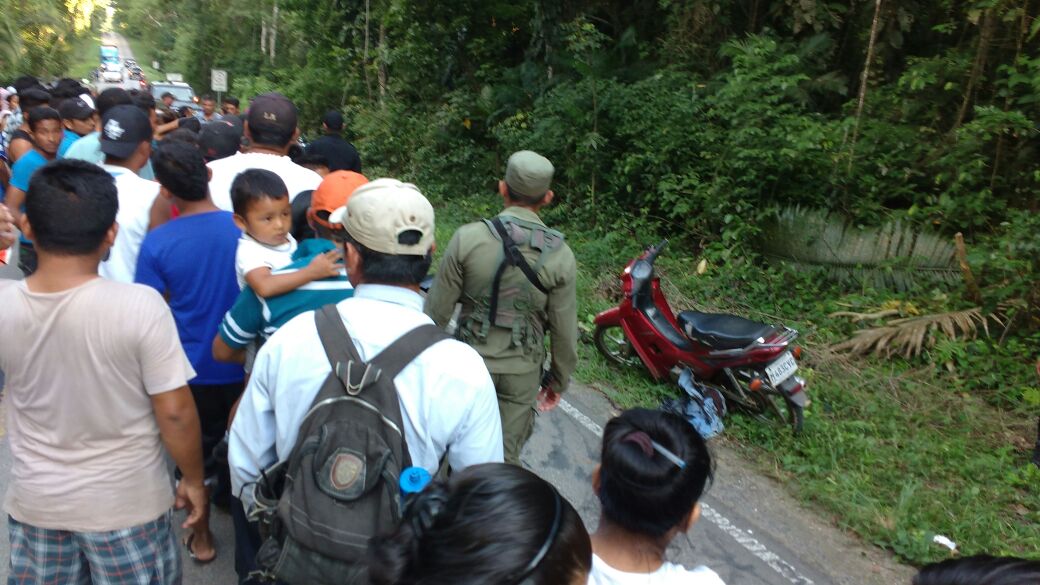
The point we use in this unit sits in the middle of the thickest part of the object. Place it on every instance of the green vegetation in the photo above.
(701, 121)
(144, 54)
(84, 55)
(47, 38)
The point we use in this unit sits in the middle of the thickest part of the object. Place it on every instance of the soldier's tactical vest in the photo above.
(520, 306)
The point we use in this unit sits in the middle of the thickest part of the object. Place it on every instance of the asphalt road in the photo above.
(111, 38)
(751, 532)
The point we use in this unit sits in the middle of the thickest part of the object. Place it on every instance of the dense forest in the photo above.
(705, 121)
(702, 115)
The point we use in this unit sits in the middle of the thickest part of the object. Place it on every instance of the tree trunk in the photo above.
(263, 36)
(1023, 32)
(874, 25)
(382, 77)
(364, 60)
(274, 32)
(977, 67)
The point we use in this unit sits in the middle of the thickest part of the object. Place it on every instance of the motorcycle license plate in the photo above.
(781, 369)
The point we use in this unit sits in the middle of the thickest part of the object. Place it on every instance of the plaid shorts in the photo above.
(146, 554)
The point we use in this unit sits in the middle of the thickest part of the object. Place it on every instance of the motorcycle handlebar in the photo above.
(655, 250)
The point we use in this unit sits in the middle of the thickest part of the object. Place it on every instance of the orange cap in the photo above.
(333, 192)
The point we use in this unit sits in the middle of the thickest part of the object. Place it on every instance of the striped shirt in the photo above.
(255, 318)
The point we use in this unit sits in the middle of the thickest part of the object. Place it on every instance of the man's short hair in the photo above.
(230, 100)
(167, 94)
(523, 200)
(206, 97)
(112, 97)
(142, 99)
(180, 168)
(393, 269)
(41, 113)
(71, 204)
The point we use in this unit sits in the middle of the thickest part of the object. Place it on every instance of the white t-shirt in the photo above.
(253, 254)
(82, 366)
(668, 574)
(136, 196)
(225, 170)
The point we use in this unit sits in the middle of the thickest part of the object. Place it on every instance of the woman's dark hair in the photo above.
(491, 523)
(395, 269)
(41, 113)
(253, 185)
(71, 204)
(980, 570)
(640, 488)
(180, 168)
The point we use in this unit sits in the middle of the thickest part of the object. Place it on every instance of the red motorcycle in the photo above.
(752, 364)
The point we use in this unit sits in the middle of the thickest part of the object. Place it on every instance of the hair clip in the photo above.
(668, 454)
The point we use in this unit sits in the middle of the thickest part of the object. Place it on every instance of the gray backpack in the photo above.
(339, 486)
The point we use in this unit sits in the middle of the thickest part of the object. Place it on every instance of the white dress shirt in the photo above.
(136, 196)
(448, 402)
(225, 170)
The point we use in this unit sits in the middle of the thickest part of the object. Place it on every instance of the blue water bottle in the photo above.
(413, 480)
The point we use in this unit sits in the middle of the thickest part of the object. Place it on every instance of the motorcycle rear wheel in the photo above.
(782, 408)
(614, 345)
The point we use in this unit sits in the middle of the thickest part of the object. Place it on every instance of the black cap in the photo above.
(123, 129)
(219, 139)
(75, 109)
(272, 111)
(30, 98)
(333, 120)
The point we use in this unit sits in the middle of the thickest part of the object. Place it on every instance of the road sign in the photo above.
(174, 77)
(155, 65)
(218, 80)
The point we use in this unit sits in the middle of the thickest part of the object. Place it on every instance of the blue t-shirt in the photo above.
(25, 167)
(192, 261)
(66, 141)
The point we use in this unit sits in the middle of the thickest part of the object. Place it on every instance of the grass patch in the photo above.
(894, 451)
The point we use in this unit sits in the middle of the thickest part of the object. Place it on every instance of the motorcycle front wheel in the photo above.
(612, 343)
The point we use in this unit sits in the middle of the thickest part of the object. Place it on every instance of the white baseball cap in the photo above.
(380, 212)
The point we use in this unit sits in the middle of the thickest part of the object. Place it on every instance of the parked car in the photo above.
(113, 73)
(183, 95)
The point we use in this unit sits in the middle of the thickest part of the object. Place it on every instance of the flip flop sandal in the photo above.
(187, 542)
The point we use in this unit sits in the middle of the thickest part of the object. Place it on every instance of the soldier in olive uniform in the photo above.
(512, 295)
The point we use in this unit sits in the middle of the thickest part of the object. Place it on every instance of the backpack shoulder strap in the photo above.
(347, 366)
(406, 348)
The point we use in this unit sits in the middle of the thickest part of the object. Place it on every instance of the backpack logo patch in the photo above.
(345, 471)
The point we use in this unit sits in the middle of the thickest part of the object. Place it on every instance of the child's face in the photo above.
(269, 220)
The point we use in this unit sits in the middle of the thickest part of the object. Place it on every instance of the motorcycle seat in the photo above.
(722, 331)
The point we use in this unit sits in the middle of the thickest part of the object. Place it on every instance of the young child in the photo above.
(263, 213)
(653, 469)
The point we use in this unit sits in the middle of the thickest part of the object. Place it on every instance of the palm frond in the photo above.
(910, 336)
(892, 256)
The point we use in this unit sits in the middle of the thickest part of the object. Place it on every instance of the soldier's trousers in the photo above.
(516, 404)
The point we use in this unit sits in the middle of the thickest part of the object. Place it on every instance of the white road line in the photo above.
(743, 538)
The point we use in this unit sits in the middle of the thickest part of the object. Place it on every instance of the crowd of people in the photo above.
(205, 290)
